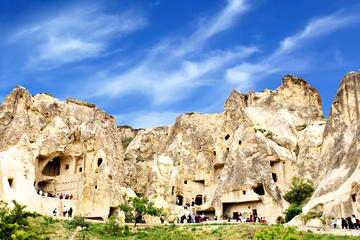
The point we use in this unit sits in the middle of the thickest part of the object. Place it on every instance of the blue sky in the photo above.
(148, 61)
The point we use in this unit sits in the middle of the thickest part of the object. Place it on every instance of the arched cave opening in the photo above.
(198, 200)
(11, 182)
(99, 162)
(259, 190)
(52, 168)
(274, 177)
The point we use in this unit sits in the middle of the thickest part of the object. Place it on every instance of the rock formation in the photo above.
(239, 161)
(337, 194)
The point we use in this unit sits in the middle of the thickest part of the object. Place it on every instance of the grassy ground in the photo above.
(60, 229)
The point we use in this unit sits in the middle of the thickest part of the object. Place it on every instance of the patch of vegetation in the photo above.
(278, 232)
(300, 127)
(292, 212)
(298, 195)
(126, 141)
(300, 190)
(269, 135)
(138, 207)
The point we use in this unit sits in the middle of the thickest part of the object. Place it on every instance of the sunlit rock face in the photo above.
(338, 193)
(240, 160)
(236, 162)
(68, 147)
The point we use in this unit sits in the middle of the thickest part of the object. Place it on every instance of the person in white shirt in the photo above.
(338, 222)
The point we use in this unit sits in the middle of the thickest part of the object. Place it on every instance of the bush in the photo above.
(300, 190)
(14, 223)
(279, 232)
(113, 227)
(126, 141)
(292, 211)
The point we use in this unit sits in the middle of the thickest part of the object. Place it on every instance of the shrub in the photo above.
(300, 190)
(300, 127)
(113, 227)
(278, 232)
(126, 141)
(292, 211)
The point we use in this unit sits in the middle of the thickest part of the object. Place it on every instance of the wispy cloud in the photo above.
(75, 35)
(246, 74)
(177, 64)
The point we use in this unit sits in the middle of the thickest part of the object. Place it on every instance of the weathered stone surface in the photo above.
(61, 147)
(338, 191)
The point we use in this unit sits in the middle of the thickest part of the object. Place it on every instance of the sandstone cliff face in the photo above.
(238, 161)
(241, 158)
(338, 191)
(66, 147)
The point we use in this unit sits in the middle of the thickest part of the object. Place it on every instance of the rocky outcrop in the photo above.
(338, 191)
(237, 161)
(240, 159)
(68, 147)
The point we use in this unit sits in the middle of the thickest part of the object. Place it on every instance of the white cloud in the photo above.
(246, 74)
(174, 67)
(316, 28)
(75, 35)
(147, 119)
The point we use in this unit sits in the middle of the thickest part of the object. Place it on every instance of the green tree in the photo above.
(79, 221)
(292, 211)
(300, 190)
(14, 222)
(138, 207)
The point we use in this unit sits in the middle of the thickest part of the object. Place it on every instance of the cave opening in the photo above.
(52, 168)
(259, 190)
(198, 199)
(99, 162)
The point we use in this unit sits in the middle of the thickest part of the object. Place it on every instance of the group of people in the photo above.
(193, 218)
(347, 223)
(250, 219)
(65, 211)
(58, 195)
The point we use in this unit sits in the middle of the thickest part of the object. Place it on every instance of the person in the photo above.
(342, 223)
(61, 196)
(354, 222)
(333, 222)
(40, 192)
(192, 202)
(205, 199)
(55, 212)
(70, 212)
(215, 218)
(162, 219)
(64, 211)
(189, 219)
(203, 217)
(71, 197)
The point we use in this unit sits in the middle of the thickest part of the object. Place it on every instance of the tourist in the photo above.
(343, 223)
(333, 222)
(40, 192)
(70, 212)
(354, 222)
(64, 211)
(349, 223)
(61, 196)
(215, 218)
(192, 202)
(203, 218)
(189, 219)
(55, 212)
(57, 195)
(162, 219)
(71, 197)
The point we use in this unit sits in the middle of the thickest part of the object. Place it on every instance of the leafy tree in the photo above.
(292, 211)
(14, 222)
(138, 207)
(300, 190)
(112, 226)
(79, 221)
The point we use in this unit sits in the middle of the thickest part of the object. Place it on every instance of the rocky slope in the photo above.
(338, 191)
